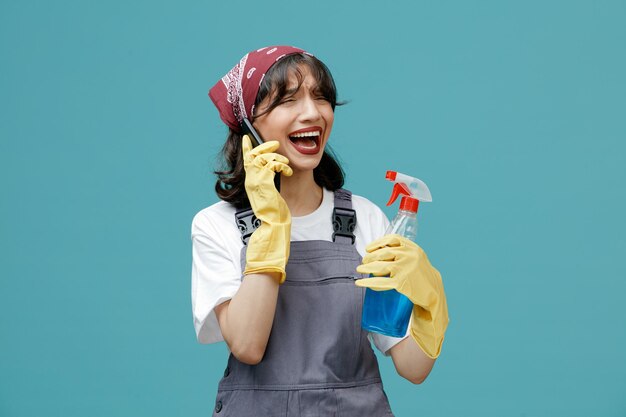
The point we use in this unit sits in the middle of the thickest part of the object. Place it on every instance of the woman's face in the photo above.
(301, 123)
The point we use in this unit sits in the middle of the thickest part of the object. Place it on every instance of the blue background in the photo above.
(512, 112)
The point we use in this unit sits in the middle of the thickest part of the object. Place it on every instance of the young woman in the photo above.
(274, 271)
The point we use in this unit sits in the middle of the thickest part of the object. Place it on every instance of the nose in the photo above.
(310, 111)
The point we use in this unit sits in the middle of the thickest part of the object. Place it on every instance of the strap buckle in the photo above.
(344, 223)
(247, 223)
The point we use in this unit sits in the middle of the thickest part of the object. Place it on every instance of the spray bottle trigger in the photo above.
(398, 188)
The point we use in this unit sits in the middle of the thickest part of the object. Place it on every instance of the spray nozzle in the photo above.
(398, 189)
(412, 189)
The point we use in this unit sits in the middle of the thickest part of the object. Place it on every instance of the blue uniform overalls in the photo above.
(318, 361)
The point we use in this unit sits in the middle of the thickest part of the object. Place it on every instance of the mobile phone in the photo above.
(249, 130)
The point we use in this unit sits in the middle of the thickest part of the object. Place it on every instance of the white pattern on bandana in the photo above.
(232, 82)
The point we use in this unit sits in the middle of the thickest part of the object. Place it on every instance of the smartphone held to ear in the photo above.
(249, 130)
(256, 139)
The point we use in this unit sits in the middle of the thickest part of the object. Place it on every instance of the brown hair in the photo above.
(328, 174)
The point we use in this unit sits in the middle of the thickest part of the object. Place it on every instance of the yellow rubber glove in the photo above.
(408, 271)
(268, 247)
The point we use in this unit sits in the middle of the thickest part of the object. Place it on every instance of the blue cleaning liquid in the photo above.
(386, 312)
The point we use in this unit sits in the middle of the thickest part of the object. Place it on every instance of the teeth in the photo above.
(305, 134)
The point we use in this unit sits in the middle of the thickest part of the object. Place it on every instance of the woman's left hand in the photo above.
(406, 269)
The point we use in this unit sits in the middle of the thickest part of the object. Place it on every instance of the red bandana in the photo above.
(234, 95)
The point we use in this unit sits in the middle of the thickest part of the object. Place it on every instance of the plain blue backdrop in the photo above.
(512, 112)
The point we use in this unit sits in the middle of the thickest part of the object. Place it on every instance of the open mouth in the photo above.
(306, 140)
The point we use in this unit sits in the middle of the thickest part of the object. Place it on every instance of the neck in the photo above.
(301, 193)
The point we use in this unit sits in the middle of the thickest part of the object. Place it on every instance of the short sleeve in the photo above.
(215, 275)
(371, 223)
(384, 343)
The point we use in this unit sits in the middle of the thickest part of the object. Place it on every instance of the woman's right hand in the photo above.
(268, 247)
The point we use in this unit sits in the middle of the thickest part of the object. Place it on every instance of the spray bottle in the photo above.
(388, 312)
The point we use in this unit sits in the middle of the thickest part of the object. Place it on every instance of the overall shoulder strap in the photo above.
(344, 218)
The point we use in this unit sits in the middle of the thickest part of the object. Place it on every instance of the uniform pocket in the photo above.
(320, 321)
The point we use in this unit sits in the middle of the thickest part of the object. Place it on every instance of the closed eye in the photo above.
(287, 100)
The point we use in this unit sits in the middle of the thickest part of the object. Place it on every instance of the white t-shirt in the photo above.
(216, 244)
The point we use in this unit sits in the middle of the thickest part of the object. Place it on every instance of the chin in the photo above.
(305, 165)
